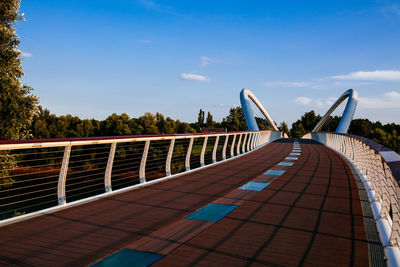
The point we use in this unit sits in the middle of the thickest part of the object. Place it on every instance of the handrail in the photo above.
(48, 172)
(379, 168)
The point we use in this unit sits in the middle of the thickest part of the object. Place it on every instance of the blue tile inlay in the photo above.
(294, 154)
(274, 172)
(255, 186)
(291, 158)
(286, 163)
(128, 257)
(212, 212)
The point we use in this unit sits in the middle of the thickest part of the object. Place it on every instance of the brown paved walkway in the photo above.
(311, 215)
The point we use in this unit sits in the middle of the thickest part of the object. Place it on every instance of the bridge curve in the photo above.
(245, 96)
(348, 113)
(291, 202)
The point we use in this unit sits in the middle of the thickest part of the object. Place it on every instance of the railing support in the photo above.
(203, 151)
(189, 151)
(169, 157)
(110, 162)
(244, 143)
(142, 170)
(63, 176)
(238, 145)
(224, 149)
(214, 154)
(233, 146)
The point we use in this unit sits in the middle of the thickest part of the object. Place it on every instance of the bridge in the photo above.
(232, 199)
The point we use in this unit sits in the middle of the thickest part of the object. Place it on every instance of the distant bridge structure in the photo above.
(236, 198)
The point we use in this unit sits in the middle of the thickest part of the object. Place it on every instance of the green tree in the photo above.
(235, 121)
(297, 130)
(200, 119)
(209, 121)
(284, 128)
(17, 104)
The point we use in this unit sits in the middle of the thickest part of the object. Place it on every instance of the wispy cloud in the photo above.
(194, 77)
(377, 75)
(318, 103)
(287, 84)
(387, 100)
(206, 60)
(302, 100)
(144, 41)
(391, 9)
(26, 54)
(152, 5)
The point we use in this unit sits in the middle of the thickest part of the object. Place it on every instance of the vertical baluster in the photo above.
(244, 143)
(169, 157)
(233, 145)
(203, 151)
(214, 154)
(224, 149)
(63, 176)
(142, 170)
(110, 162)
(249, 141)
(189, 151)
(238, 145)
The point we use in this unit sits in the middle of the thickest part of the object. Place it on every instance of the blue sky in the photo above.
(92, 58)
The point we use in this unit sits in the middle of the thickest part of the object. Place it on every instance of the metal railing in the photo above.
(378, 167)
(40, 174)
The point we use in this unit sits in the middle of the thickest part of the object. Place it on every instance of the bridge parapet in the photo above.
(379, 168)
(42, 176)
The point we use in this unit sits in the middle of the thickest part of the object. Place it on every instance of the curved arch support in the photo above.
(245, 97)
(348, 113)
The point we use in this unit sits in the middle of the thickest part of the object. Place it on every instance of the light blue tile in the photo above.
(274, 172)
(291, 158)
(212, 212)
(255, 186)
(128, 257)
(294, 154)
(285, 163)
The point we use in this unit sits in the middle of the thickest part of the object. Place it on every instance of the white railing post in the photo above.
(142, 169)
(224, 149)
(214, 154)
(63, 176)
(249, 141)
(244, 143)
(238, 145)
(233, 146)
(203, 151)
(169, 157)
(189, 151)
(110, 162)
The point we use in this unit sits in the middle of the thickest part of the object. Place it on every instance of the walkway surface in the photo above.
(307, 212)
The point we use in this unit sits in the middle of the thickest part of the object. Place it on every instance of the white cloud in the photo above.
(206, 60)
(194, 77)
(286, 84)
(26, 54)
(144, 41)
(387, 100)
(302, 100)
(377, 75)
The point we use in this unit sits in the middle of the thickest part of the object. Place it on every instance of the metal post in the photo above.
(224, 149)
(238, 145)
(233, 146)
(244, 142)
(107, 176)
(214, 154)
(189, 151)
(169, 157)
(142, 170)
(249, 141)
(203, 151)
(63, 176)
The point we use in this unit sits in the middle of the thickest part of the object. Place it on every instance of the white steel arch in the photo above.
(348, 113)
(245, 97)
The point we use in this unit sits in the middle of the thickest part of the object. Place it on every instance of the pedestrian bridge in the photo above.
(231, 199)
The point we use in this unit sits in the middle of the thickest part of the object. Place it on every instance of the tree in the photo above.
(209, 121)
(17, 104)
(235, 121)
(297, 130)
(283, 128)
(200, 119)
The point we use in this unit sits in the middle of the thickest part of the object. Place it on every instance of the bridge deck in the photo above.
(311, 215)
